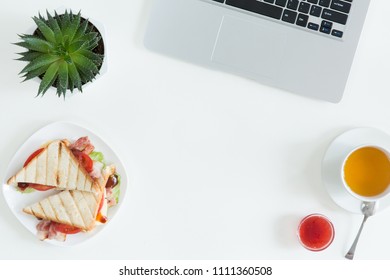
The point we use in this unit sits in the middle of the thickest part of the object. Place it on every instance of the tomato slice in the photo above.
(32, 156)
(67, 229)
(38, 187)
(84, 160)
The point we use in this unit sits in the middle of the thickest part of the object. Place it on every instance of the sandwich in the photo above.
(74, 208)
(84, 187)
(56, 167)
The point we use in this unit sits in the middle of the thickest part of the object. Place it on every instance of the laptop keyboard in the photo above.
(325, 16)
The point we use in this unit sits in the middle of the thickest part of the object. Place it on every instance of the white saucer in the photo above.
(334, 157)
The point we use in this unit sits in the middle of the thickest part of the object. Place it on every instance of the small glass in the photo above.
(315, 232)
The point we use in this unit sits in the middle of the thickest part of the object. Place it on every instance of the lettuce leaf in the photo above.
(97, 156)
(27, 190)
(116, 191)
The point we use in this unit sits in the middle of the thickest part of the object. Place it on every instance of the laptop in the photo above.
(301, 46)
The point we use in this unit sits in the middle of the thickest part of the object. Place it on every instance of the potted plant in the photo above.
(65, 51)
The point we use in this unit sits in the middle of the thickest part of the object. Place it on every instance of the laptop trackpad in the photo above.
(253, 48)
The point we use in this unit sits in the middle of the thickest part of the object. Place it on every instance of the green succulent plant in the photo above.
(62, 52)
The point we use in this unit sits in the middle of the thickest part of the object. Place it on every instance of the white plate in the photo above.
(59, 130)
(334, 157)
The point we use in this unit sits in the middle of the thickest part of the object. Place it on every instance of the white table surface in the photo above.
(220, 167)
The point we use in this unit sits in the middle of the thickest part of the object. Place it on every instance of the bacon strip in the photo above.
(83, 144)
(46, 230)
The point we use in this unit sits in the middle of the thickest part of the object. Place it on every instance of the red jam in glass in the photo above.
(316, 232)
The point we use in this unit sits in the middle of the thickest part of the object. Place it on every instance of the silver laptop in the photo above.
(302, 46)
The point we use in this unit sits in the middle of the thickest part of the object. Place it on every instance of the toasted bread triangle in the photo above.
(57, 166)
(74, 208)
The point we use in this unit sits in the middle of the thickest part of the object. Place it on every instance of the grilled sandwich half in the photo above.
(74, 208)
(56, 166)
